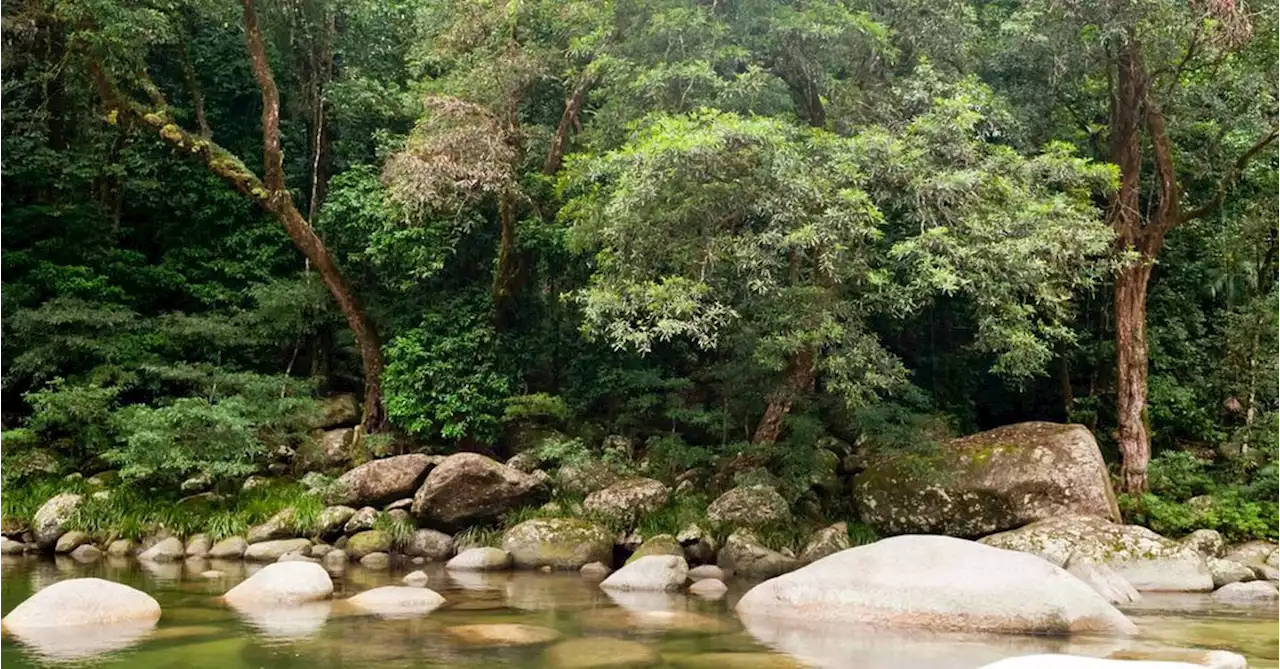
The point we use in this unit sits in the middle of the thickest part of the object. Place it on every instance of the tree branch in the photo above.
(272, 155)
(1230, 177)
(568, 120)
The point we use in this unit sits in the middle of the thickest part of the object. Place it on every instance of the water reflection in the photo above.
(286, 623)
(62, 644)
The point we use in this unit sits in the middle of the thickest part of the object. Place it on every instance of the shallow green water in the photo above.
(197, 631)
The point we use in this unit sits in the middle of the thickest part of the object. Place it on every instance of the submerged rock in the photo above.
(198, 546)
(395, 601)
(1145, 559)
(601, 653)
(940, 584)
(82, 601)
(469, 489)
(706, 571)
(1210, 659)
(86, 553)
(558, 543)
(652, 572)
(989, 482)
(503, 634)
(376, 561)
(709, 588)
(416, 579)
(282, 583)
(10, 547)
(595, 570)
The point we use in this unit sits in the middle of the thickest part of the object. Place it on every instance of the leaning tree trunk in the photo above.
(1132, 433)
(801, 376)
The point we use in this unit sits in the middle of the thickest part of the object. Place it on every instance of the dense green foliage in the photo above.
(655, 219)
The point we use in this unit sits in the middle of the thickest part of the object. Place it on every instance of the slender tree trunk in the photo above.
(505, 277)
(800, 378)
(278, 200)
(1133, 432)
(568, 121)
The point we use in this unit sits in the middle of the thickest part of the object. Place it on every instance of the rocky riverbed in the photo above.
(534, 619)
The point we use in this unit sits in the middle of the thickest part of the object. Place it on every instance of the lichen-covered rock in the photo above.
(270, 551)
(1208, 543)
(699, 544)
(52, 516)
(430, 544)
(362, 520)
(282, 583)
(585, 479)
(166, 550)
(279, 526)
(743, 554)
(1253, 591)
(1226, 571)
(939, 584)
(558, 543)
(383, 481)
(662, 544)
(1251, 552)
(653, 572)
(469, 489)
(230, 548)
(1145, 559)
(480, 559)
(826, 541)
(82, 602)
(369, 541)
(627, 500)
(989, 482)
(1104, 580)
(338, 411)
(332, 519)
(327, 451)
(749, 506)
(526, 462)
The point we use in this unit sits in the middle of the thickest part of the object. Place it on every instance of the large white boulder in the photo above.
(82, 601)
(1215, 659)
(282, 583)
(1145, 559)
(651, 572)
(940, 584)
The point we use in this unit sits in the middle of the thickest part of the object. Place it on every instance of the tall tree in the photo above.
(1174, 95)
(270, 192)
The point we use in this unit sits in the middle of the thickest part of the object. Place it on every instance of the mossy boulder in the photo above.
(988, 482)
(52, 516)
(327, 450)
(367, 542)
(663, 544)
(384, 481)
(743, 554)
(749, 506)
(1145, 559)
(338, 411)
(627, 501)
(585, 479)
(470, 489)
(558, 543)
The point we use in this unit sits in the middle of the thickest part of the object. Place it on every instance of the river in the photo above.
(600, 629)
